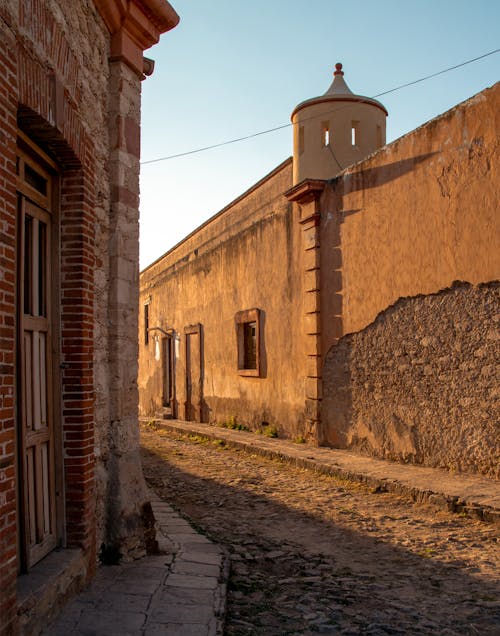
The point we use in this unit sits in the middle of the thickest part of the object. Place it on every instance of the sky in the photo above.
(232, 68)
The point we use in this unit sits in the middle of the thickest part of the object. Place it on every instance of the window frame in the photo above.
(146, 320)
(355, 133)
(241, 319)
(326, 135)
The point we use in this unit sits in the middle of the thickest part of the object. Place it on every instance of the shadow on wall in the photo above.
(367, 178)
(420, 384)
(262, 345)
(363, 179)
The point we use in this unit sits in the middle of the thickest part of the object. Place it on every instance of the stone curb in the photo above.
(474, 495)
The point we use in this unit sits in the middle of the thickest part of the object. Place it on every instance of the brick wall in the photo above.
(8, 522)
(62, 127)
(56, 80)
(77, 347)
(43, 83)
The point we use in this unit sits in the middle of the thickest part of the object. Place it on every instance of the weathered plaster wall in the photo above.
(318, 161)
(397, 229)
(248, 256)
(420, 384)
(414, 217)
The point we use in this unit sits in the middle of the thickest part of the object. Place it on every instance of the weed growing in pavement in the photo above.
(201, 439)
(198, 439)
(270, 431)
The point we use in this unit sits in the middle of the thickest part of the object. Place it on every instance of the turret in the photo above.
(335, 130)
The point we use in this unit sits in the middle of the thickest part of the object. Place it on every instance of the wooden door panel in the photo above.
(30, 495)
(36, 431)
(195, 376)
(194, 373)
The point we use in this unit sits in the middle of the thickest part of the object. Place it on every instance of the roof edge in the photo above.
(360, 99)
(221, 212)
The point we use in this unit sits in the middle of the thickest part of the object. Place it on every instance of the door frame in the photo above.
(168, 365)
(191, 330)
(30, 155)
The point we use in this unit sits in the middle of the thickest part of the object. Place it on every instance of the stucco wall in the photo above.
(420, 384)
(415, 216)
(397, 229)
(248, 256)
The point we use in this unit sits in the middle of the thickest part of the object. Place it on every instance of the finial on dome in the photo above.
(338, 68)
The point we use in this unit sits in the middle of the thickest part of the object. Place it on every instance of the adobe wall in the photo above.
(397, 231)
(248, 256)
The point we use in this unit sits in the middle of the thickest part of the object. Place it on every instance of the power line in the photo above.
(446, 70)
(270, 130)
(222, 143)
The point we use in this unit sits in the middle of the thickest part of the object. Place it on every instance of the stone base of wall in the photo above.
(420, 384)
(48, 586)
(288, 422)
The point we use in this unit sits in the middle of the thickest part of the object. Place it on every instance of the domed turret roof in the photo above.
(339, 91)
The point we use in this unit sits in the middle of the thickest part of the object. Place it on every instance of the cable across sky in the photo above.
(276, 128)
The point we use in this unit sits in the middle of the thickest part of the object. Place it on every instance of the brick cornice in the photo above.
(135, 25)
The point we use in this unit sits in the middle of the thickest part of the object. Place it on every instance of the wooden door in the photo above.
(37, 505)
(194, 374)
(168, 374)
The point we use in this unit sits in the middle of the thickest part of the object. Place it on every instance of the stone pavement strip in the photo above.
(179, 593)
(477, 496)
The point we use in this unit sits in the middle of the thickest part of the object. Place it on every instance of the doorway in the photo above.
(37, 316)
(193, 411)
(168, 375)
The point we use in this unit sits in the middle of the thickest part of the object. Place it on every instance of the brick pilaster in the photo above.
(77, 350)
(307, 194)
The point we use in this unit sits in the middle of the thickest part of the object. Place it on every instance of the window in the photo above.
(250, 345)
(379, 136)
(146, 322)
(248, 342)
(325, 133)
(35, 180)
(355, 133)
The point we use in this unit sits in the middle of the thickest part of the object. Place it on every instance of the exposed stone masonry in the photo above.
(420, 384)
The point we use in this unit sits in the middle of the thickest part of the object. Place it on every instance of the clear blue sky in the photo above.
(232, 68)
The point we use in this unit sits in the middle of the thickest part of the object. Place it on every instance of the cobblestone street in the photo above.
(311, 553)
